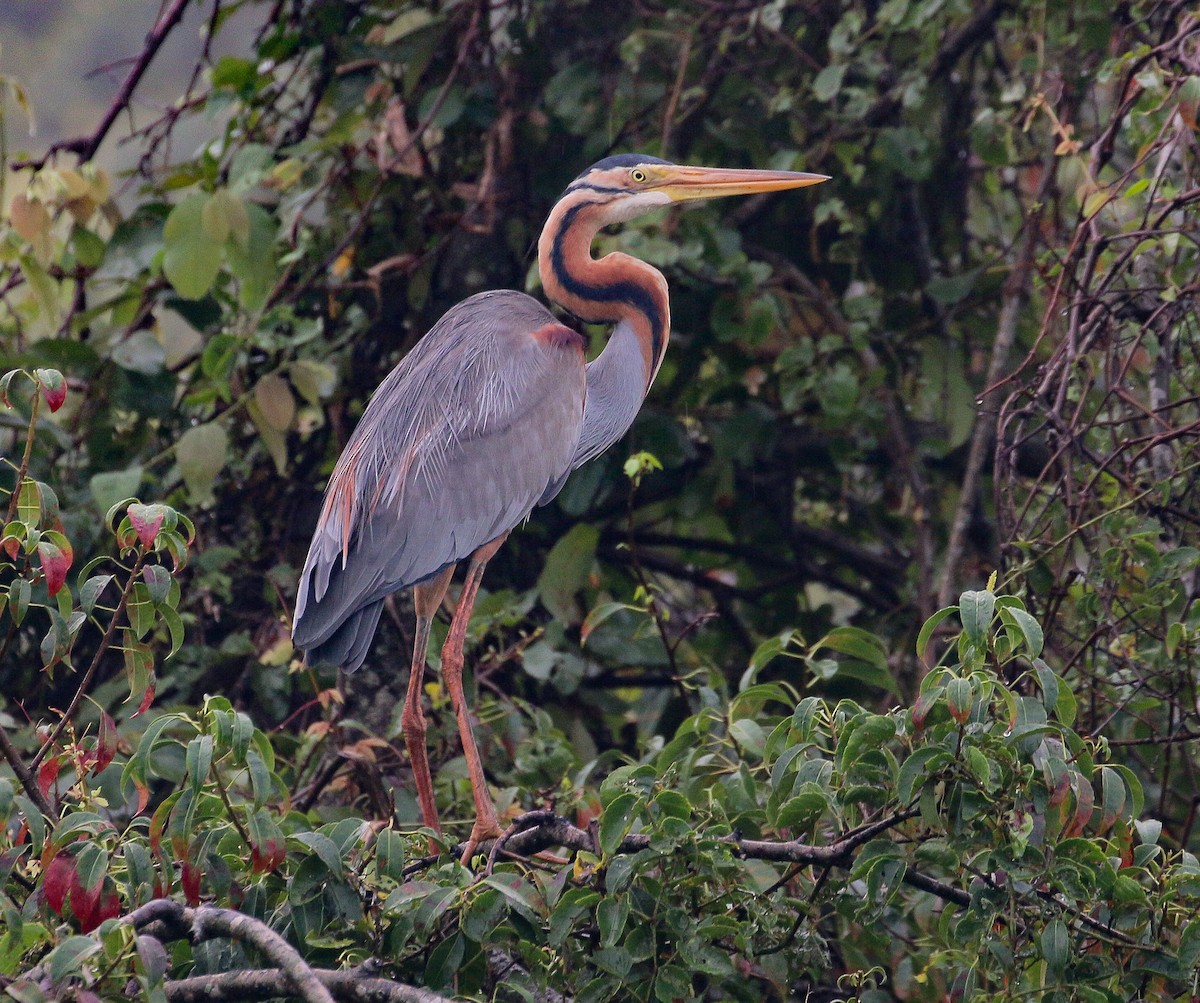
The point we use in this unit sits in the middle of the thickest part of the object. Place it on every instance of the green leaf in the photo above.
(616, 821)
(30, 508)
(199, 760)
(975, 609)
(1112, 797)
(960, 695)
(862, 735)
(611, 916)
(801, 812)
(252, 260)
(45, 291)
(219, 357)
(930, 626)
(274, 399)
(113, 486)
(749, 735)
(1055, 945)
(224, 217)
(828, 82)
(272, 438)
(315, 380)
(860, 644)
(599, 614)
(1049, 683)
(201, 454)
(1028, 627)
(389, 854)
(18, 600)
(158, 582)
(174, 627)
(260, 777)
(89, 247)
(140, 610)
(91, 863)
(1065, 706)
(566, 569)
(918, 768)
(192, 256)
(325, 849)
(69, 956)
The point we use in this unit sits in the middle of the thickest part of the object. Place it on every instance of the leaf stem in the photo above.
(23, 469)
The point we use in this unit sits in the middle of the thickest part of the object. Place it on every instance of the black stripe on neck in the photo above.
(625, 291)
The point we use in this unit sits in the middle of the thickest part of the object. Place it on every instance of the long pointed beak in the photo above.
(682, 183)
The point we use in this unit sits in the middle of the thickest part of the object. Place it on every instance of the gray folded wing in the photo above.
(476, 426)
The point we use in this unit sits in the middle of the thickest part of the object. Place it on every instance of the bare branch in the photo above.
(85, 147)
(271, 983)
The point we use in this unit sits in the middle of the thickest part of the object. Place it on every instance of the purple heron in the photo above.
(482, 422)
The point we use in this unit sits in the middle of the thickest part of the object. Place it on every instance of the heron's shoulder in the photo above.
(500, 308)
(501, 322)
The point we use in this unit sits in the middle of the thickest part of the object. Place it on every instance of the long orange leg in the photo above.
(487, 825)
(427, 597)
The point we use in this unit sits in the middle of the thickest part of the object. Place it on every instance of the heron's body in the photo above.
(474, 428)
(483, 421)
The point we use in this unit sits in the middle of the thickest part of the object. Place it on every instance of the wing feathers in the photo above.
(476, 426)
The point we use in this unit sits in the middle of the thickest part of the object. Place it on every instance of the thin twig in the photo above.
(1016, 290)
(101, 650)
(26, 776)
(86, 146)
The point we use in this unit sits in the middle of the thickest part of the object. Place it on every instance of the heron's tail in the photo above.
(347, 646)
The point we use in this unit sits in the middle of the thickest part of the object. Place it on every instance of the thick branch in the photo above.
(205, 922)
(28, 781)
(560, 832)
(248, 986)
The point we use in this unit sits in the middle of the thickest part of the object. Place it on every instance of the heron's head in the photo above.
(630, 184)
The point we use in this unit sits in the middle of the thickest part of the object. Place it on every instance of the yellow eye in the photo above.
(638, 175)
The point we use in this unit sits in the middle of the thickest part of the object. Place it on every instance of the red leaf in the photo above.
(110, 906)
(12, 547)
(190, 880)
(269, 856)
(925, 703)
(143, 795)
(1061, 787)
(157, 824)
(54, 387)
(56, 562)
(84, 902)
(147, 697)
(106, 743)
(48, 773)
(59, 875)
(146, 520)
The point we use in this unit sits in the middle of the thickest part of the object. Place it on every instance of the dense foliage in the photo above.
(731, 672)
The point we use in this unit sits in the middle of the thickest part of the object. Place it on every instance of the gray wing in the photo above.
(475, 427)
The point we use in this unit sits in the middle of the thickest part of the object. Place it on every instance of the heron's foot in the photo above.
(486, 827)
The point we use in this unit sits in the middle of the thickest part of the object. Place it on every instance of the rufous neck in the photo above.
(611, 289)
